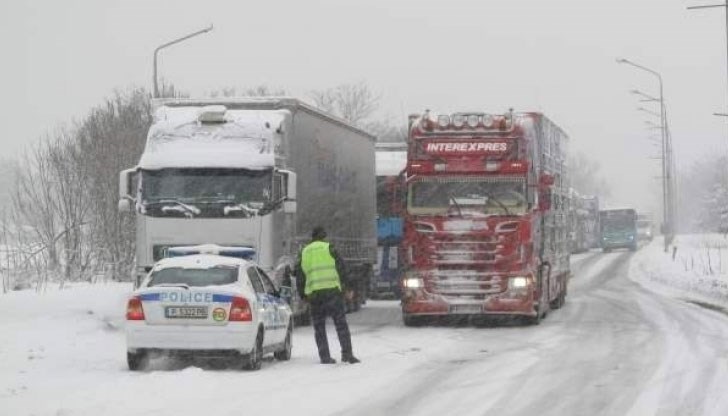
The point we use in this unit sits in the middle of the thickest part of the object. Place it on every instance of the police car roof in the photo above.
(200, 261)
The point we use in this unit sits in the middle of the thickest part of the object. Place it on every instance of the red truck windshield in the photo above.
(467, 196)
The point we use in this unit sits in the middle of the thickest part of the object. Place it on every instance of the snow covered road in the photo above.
(614, 349)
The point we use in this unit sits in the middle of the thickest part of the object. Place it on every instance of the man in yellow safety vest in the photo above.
(319, 271)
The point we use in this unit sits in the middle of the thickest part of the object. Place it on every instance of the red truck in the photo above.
(485, 225)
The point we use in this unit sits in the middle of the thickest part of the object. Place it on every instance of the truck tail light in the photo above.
(240, 310)
(134, 310)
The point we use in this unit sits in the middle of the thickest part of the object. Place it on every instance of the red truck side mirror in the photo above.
(546, 180)
(544, 200)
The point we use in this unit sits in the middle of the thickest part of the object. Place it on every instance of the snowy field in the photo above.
(699, 271)
(614, 349)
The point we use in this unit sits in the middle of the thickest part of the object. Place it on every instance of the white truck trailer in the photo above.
(257, 173)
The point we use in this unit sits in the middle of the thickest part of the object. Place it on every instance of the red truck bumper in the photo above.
(434, 305)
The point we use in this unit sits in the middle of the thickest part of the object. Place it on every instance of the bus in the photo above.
(618, 229)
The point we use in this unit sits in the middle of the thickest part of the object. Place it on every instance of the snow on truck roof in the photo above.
(212, 136)
(260, 103)
(221, 132)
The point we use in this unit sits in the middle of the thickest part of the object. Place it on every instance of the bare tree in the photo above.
(703, 198)
(34, 204)
(70, 201)
(387, 131)
(169, 90)
(586, 177)
(257, 91)
(5, 251)
(111, 139)
(354, 103)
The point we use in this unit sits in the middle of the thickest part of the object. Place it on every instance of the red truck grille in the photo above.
(477, 251)
(465, 283)
(464, 265)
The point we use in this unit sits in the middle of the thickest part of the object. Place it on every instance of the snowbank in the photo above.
(699, 271)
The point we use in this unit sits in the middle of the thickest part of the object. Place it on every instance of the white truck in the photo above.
(257, 173)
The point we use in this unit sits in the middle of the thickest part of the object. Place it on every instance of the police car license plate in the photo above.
(466, 309)
(185, 312)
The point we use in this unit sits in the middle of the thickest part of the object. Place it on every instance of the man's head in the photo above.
(318, 233)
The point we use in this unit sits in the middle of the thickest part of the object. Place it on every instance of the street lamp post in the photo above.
(170, 43)
(644, 110)
(666, 210)
(646, 98)
(726, 24)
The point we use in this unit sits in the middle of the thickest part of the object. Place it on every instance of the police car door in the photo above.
(282, 309)
(265, 308)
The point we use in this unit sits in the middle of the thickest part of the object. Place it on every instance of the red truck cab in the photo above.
(485, 228)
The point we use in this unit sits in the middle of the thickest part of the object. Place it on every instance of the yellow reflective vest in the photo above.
(319, 266)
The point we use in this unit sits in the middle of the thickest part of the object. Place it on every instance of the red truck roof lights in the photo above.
(469, 142)
(462, 123)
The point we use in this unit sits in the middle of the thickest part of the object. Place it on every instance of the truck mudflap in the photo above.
(356, 286)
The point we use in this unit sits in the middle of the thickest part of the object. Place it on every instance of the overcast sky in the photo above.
(60, 58)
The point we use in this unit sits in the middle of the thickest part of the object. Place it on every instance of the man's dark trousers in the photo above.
(329, 302)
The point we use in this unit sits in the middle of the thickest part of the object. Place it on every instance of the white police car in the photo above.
(208, 304)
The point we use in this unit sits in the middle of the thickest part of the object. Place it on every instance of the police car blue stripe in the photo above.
(148, 297)
(222, 298)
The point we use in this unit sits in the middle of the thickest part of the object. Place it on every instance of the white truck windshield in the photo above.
(207, 185)
(205, 192)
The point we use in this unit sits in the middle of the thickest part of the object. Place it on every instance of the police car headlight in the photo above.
(518, 282)
(413, 283)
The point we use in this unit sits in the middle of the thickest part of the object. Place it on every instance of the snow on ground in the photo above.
(63, 353)
(699, 271)
(613, 349)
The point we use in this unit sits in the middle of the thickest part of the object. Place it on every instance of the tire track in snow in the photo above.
(599, 273)
(585, 373)
(425, 390)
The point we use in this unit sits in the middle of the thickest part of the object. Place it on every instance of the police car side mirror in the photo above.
(286, 293)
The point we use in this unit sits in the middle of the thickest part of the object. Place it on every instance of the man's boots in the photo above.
(349, 358)
(328, 360)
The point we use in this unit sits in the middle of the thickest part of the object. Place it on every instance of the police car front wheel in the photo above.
(284, 354)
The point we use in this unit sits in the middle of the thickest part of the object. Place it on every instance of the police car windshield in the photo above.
(214, 276)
